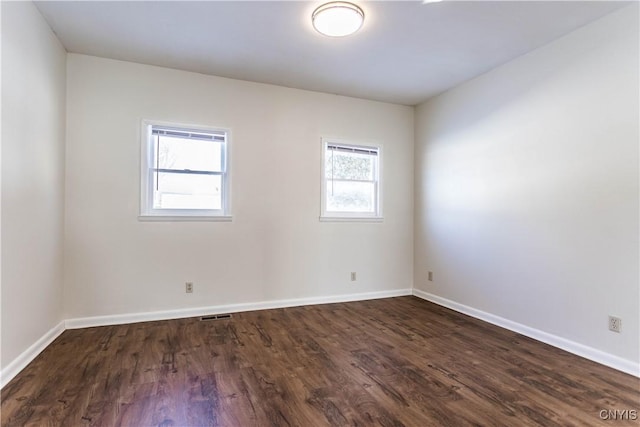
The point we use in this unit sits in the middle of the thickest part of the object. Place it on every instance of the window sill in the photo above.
(351, 219)
(178, 218)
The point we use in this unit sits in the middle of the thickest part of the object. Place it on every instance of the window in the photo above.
(184, 172)
(351, 181)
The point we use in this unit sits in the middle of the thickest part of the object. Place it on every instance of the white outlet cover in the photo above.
(615, 324)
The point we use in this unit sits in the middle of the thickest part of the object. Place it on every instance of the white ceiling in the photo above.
(406, 51)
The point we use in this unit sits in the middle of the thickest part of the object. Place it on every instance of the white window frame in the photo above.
(147, 212)
(375, 216)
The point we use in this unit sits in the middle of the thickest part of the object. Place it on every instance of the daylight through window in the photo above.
(185, 172)
(351, 180)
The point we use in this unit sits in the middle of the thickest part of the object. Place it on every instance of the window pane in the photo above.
(344, 165)
(185, 191)
(182, 153)
(345, 196)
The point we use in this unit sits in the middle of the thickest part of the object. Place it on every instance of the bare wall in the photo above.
(33, 130)
(275, 247)
(527, 188)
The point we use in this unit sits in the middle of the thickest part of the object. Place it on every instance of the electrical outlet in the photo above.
(353, 276)
(188, 287)
(615, 324)
(430, 276)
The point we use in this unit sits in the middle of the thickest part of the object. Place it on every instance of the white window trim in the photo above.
(331, 216)
(147, 213)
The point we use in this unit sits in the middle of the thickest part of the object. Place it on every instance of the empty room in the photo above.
(306, 213)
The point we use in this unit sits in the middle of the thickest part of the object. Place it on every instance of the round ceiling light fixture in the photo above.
(337, 19)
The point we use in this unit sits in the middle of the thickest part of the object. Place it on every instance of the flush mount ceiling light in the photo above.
(337, 19)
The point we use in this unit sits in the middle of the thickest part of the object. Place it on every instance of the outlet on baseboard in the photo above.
(188, 287)
(430, 276)
(615, 324)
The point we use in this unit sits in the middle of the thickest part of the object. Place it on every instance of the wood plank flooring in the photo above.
(390, 362)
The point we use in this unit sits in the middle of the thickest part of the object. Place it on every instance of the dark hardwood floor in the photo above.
(391, 362)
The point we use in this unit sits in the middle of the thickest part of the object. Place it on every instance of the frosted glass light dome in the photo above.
(337, 19)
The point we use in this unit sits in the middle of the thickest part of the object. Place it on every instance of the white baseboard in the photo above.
(615, 362)
(18, 364)
(119, 319)
(27, 356)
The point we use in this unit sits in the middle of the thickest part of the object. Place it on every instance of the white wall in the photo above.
(33, 127)
(275, 248)
(527, 188)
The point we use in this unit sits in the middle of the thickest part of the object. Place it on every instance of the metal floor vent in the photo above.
(215, 317)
